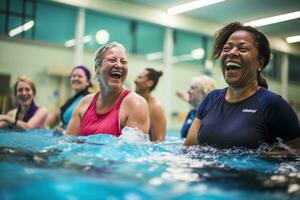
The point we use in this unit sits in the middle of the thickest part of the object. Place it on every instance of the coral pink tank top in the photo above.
(108, 123)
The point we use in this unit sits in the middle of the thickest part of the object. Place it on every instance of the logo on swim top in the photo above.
(249, 110)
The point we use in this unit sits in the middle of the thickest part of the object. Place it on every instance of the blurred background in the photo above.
(46, 39)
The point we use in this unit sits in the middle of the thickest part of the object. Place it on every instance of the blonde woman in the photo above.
(27, 115)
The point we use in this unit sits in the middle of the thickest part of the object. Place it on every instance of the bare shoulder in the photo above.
(133, 99)
(88, 98)
(43, 110)
(155, 105)
(86, 101)
(12, 112)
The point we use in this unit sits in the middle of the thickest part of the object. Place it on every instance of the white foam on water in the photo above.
(133, 135)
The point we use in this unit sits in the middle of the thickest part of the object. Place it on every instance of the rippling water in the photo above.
(43, 165)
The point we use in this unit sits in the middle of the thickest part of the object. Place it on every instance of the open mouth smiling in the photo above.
(116, 74)
(24, 98)
(232, 65)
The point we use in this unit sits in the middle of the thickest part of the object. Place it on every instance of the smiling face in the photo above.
(142, 83)
(79, 80)
(195, 94)
(24, 93)
(114, 68)
(240, 60)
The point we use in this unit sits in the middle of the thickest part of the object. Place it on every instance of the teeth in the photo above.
(233, 64)
(116, 73)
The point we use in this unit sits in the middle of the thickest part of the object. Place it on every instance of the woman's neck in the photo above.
(108, 96)
(237, 94)
(25, 108)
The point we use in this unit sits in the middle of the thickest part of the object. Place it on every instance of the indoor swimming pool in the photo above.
(45, 165)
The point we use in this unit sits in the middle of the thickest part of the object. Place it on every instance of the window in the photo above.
(17, 13)
(149, 38)
(189, 47)
(117, 28)
(54, 23)
(294, 69)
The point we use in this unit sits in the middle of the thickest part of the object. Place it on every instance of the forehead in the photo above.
(143, 73)
(194, 85)
(23, 84)
(241, 36)
(115, 51)
(78, 71)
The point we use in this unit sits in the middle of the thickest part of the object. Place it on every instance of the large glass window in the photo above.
(149, 38)
(272, 70)
(106, 28)
(294, 69)
(55, 23)
(189, 47)
(15, 16)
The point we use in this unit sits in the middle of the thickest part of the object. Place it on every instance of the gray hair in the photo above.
(99, 54)
(204, 83)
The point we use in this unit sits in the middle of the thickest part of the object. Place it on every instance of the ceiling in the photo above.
(240, 10)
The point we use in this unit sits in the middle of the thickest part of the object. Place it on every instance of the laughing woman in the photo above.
(245, 113)
(115, 106)
(27, 116)
(80, 79)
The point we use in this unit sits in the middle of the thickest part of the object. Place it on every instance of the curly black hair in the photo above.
(261, 43)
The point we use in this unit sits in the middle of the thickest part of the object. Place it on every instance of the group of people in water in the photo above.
(245, 113)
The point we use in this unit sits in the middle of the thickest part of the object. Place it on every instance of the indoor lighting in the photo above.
(191, 6)
(293, 39)
(154, 56)
(274, 19)
(196, 54)
(72, 42)
(20, 29)
(102, 36)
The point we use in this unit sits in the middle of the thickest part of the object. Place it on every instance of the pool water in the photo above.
(44, 165)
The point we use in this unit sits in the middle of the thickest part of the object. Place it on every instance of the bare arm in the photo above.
(191, 138)
(53, 119)
(183, 96)
(74, 124)
(134, 113)
(36, 121)
(5, 121)
(157, 124)
(78, 113)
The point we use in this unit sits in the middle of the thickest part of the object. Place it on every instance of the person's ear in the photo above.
(261, 63)
(149, 83)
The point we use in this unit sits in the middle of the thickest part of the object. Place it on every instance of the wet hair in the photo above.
(99, 54)
(261, 43)
(154, 76)
(204, 83)
(25, 79)
(86, 72)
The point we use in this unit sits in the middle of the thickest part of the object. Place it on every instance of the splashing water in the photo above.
(130, 167)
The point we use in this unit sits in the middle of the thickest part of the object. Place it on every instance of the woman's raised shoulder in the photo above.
(43, 110)
(88, 98)
(134, 99)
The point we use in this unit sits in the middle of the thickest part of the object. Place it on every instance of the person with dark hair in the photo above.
(27, 115)
(81, 82)
(114, 107)
(245, 113)
(145, 83)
